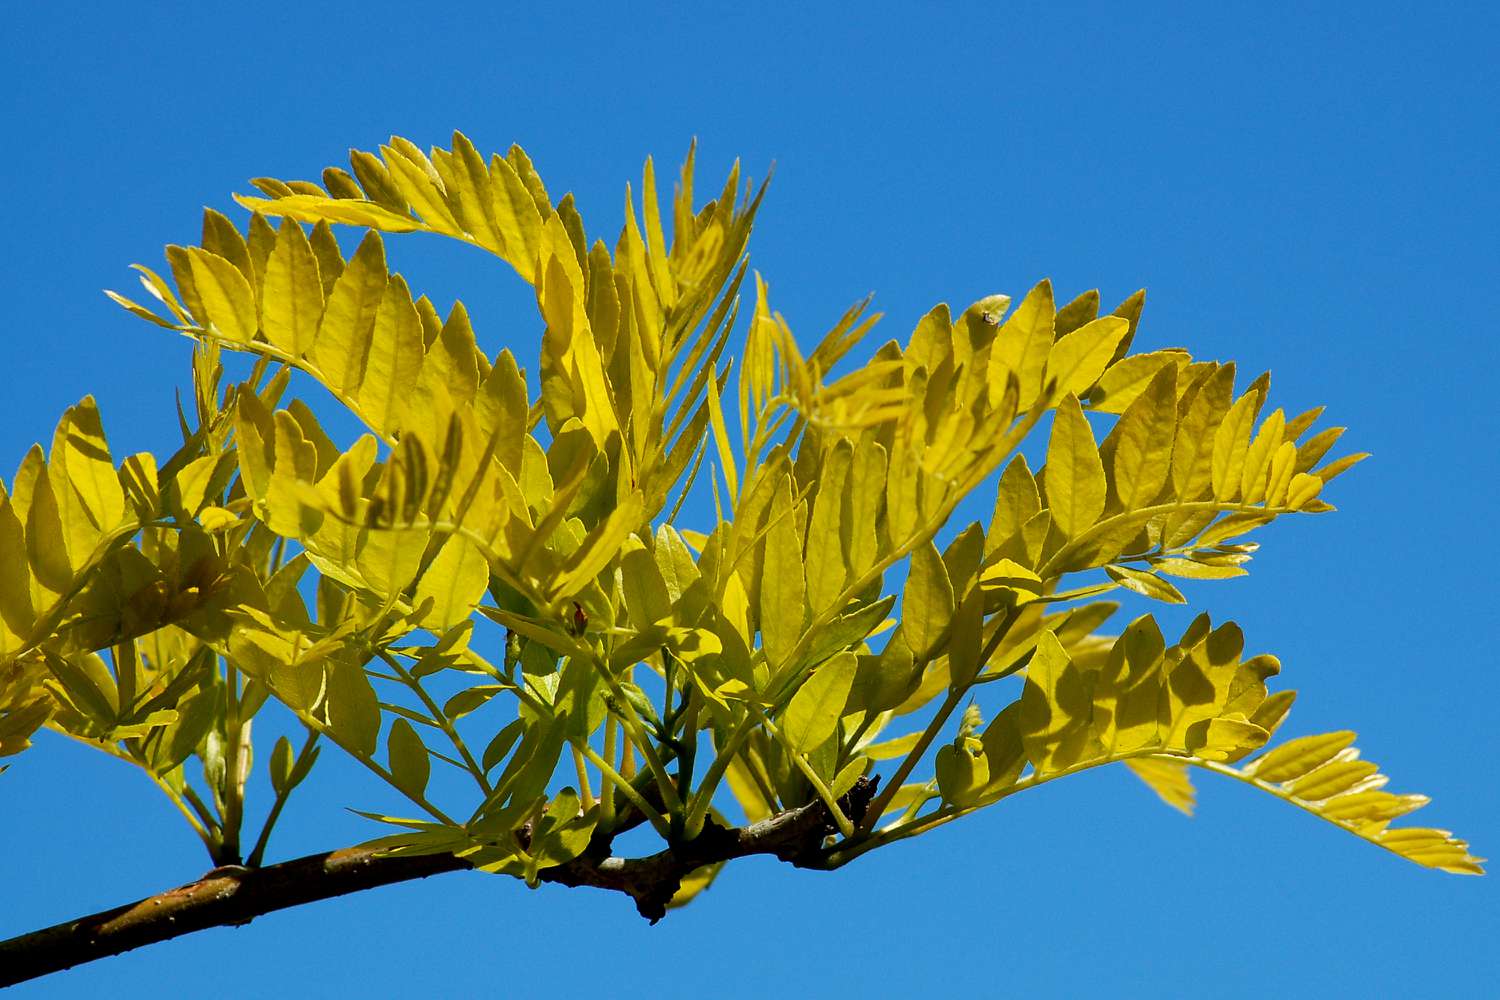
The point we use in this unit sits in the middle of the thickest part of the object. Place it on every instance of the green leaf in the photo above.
(353, 710)
(409, 765)
(196, 716)
(961, 774)
(813, 713)
(561, 835)
(273, 659)
(501, 745)
(281, 766)
(1074, 474)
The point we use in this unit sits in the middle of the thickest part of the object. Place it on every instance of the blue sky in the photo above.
(1301, 190)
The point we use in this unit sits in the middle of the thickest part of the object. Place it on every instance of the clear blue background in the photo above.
(1310, 191)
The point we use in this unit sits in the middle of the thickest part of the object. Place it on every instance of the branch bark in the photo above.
(232, 896)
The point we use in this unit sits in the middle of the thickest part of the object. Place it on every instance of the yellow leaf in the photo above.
(353, 710)
(214, 518)
(867, 478)
(389, 558)
(407, 755)
(1127, 693)
(476, 201)
(1340, 465)
(16, 612)
(1295, 758)
(1144, 583)
(316, 208)
(645, 590)
(1016, 502)
(80, 453)
(1324, 775)
(721, 441)
(812, 716)
(826, 570)
(1022, 345)
(1075, 474)
(782, 590)
(292, 300)
(1128, 378)
(418, 183)
(966, 642)
(294, 462)
(455, 580)
(1280, 479)
(225, 295)
(1338, 775)
(1079, 358)
(517, 216)
(1083, 309)
(1168, 779)
(903, 496)
(1232, 445)
(927, 604)
(661, 272)
(1193, 447)
(1257, 471)
(1143, 442)
(343, 340)
(600, 547)
(394, 361)
(1056, 707)
(1304, 487)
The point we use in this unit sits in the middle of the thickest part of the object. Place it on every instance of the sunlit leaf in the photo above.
(1074, 473)
(813, 713)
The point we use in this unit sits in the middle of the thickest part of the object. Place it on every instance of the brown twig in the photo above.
(234, 895)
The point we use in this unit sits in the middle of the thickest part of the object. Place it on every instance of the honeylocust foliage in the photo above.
(648, 668)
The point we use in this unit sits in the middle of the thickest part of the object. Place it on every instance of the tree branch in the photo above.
(233, 895)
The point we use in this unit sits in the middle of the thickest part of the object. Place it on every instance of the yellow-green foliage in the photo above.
(648, 668)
